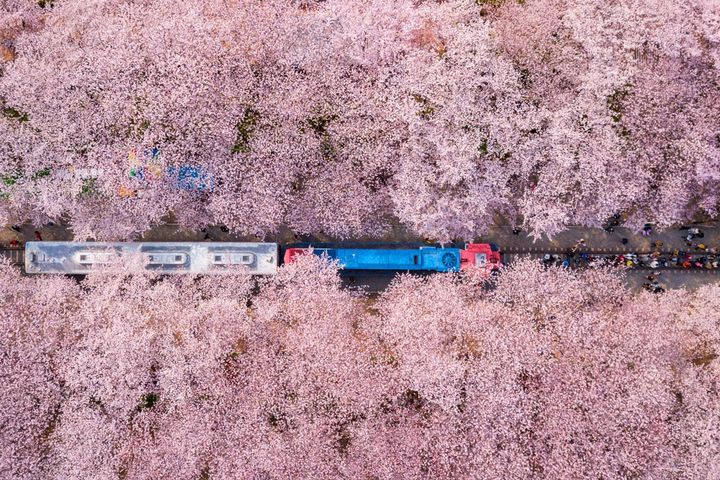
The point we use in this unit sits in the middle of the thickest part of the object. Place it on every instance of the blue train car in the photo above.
(427, 259)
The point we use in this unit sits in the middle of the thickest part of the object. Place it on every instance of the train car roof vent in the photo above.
(449, 260)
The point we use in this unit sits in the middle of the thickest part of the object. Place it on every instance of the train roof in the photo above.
(212, 258)
(420, 259)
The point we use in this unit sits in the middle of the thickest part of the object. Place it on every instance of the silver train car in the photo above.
(216, 258)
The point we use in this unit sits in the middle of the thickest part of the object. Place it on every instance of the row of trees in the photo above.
(341, 116)
(549, 374)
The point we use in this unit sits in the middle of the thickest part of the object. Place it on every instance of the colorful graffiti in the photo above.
(146, 167)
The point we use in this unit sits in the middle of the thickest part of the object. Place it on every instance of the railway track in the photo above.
(510, 255)
(15, 255)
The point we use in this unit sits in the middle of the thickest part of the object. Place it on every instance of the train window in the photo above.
(89, 258)
(233, 259)
(169, 258)
(41, 257)
(415, 259)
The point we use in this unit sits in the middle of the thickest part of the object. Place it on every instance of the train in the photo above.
(217, 258)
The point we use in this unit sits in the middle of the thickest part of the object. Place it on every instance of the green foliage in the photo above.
(615, 102)
(319, 124)
(147, 401)
(45, 172)
(245, 128)
(426, 107)
(89, 187)
(483, 147)
(10, 179)
(10, 112)
(498, 155)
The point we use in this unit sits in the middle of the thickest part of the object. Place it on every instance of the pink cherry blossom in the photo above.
(542, 373)
(346, 118)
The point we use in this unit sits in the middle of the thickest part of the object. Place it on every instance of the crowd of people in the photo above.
(656, 259)
(696, 255)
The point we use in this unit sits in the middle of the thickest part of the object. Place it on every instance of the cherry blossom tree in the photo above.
(145, 379)
(310, 378)
(345, 118)
(232, 96)
(541, 373)
(602, 122)
(461, 103)
(553, 374)
(33, 326)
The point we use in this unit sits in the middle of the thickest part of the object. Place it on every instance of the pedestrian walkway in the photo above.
(598, 240)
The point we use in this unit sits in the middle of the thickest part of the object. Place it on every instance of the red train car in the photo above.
(480, 255)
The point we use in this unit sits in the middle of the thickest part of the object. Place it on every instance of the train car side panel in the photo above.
(79, 258)
(420, 259)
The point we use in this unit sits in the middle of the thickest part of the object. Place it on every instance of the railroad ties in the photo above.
(16, 256)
